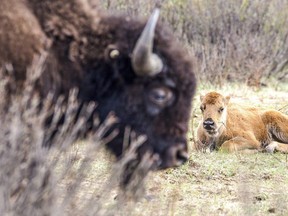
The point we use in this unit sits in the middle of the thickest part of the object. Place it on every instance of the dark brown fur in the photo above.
(80, 39)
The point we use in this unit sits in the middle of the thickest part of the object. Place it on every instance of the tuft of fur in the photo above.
(21, 36)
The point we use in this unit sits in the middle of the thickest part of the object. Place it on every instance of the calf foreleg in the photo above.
(240, 144)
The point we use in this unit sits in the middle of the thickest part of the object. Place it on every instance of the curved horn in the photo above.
(144, 61)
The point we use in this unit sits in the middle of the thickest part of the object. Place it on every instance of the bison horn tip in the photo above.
(144, 61)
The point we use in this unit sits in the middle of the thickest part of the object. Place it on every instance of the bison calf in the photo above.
(234, 127)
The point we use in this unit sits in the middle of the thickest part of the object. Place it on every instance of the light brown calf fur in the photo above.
(231, 127)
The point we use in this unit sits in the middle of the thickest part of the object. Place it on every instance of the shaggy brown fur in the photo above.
(79, 41)
(29, 27)
(232, 127)
(21, 36)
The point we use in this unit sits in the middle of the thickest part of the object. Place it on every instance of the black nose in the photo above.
(208, 124)
(175, 156)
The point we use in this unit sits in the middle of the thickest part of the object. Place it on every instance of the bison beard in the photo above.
(143, 76)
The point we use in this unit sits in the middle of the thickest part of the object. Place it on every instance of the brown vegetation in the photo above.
(229, 40)
(41, 181)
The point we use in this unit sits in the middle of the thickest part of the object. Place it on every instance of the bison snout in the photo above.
(175, 156)
(209, 124)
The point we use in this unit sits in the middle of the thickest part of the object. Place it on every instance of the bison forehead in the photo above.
(122, 34)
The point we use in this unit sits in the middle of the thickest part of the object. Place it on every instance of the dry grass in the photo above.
(209, 184)
(81, 179)
(235, 40)
(212, 183)
(41, 181)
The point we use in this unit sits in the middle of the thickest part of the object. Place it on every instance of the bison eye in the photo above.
(221, 110)
(161, 96)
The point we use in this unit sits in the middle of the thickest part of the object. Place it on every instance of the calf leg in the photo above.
(241, 144)
(278, 147)
(277, 124)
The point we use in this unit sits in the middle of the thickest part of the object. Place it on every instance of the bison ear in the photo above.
(227, 99)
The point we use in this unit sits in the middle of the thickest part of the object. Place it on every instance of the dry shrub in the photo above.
(39, 181)
(230, 40)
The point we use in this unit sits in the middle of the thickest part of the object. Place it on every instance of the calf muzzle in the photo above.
(209, 124)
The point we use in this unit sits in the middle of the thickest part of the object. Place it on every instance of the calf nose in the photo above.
(208, 124)
(175, 156)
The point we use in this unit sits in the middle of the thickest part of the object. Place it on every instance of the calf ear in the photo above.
(227, 99)
(201, 97)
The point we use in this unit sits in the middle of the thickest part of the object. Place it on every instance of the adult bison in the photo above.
(231, 127)
(133, 68)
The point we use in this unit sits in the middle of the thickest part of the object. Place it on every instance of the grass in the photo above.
(227, 184)
(210, 183)
(229, 40)
(83, 180)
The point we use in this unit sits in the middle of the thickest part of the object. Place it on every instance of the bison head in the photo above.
(143, 76)
(214, 111)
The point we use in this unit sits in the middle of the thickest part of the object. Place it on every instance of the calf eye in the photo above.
(202, 108)
(221, 110)
(161, 96)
